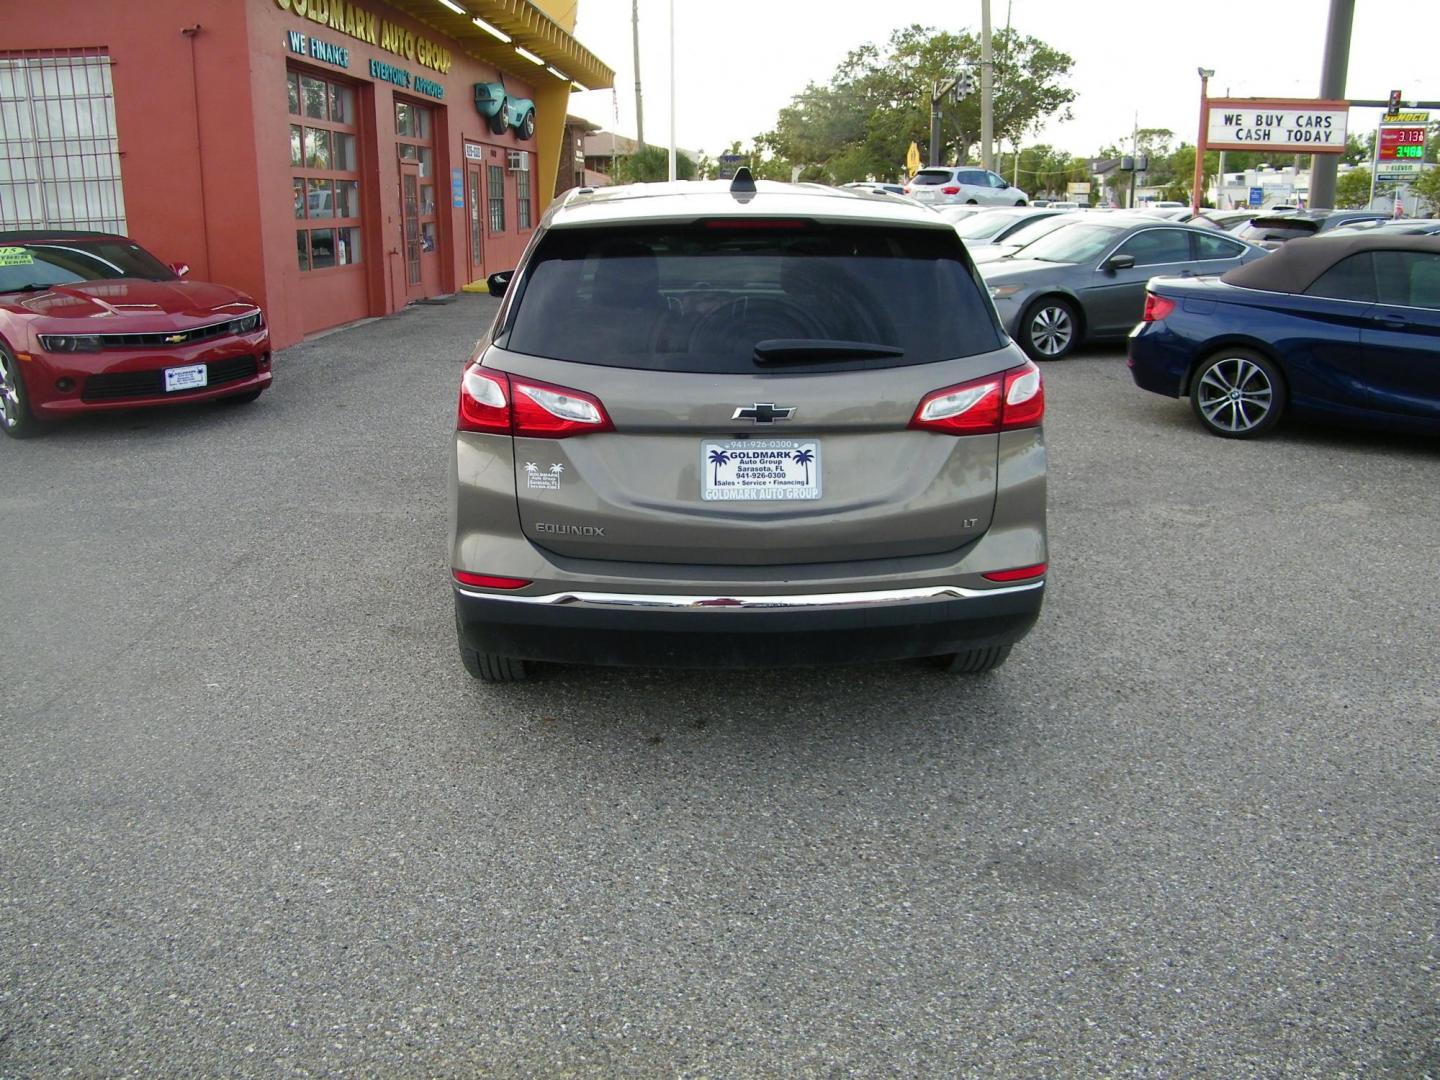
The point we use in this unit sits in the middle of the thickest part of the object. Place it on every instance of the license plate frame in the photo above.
(189, 377)
(760, 470)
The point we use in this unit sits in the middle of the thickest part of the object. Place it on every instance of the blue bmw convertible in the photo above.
(1342, 327)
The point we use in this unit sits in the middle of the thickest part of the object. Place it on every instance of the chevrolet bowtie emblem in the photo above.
(175, 339)
(764, 413)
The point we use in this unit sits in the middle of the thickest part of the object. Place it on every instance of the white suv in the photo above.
(939, 185)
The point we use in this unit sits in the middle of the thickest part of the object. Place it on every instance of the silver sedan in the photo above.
(1086, 281)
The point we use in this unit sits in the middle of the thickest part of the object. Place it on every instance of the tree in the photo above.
(1427, 187)
(651, 163)
(877, 103)
(1353, 189)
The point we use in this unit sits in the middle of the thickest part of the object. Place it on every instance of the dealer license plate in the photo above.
(760, 470)
(185, 378)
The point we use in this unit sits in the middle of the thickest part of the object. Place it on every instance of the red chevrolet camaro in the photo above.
(91, 321)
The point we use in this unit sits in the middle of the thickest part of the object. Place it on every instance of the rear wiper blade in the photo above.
(819, 350)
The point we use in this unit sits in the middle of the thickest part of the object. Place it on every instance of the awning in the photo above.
(527, 26)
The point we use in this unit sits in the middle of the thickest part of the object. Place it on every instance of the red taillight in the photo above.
(488, 581)
(950, 189)
(1020, 573)
(1003, 402)
(501, 404)
(1157, 307)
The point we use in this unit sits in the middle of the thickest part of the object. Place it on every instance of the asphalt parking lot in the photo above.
(256, 820)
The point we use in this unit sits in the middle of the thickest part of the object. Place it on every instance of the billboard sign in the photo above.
(1286, 125)
(1400, 150)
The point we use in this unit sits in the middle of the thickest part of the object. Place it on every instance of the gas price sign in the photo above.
(1402, 142)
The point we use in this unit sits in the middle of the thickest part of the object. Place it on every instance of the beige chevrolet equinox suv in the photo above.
(730, 424)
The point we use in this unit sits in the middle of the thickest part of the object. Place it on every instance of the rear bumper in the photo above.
(754, 631)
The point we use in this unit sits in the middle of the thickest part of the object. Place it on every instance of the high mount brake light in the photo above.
(1157, 307)
(502, 404)
(1002, 402)
(757, 223)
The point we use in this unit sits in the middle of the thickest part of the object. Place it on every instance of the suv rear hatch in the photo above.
(757, 381)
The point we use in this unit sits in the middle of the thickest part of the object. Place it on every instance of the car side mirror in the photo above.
(498, 282)
(1004, 183)
(180, 269)
(1119, 262)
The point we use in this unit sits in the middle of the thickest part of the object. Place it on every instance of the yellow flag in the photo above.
(912, 159)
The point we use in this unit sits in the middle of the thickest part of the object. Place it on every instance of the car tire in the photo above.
(971, 202)
(1049, 329)
(974, 662)
(487, 667)
(526, 130)
(1237, 394)
(15, 416)
(1019, 202)
(497, 122)
(241, 399)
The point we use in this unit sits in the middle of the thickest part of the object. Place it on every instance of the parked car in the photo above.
(1002, 226)
(1271, 230)
(1017, 241)
(877, 188)
(1230, 220)
(1086, 281)
(956, 214)
(1343, 327)
(1401, 226)
(941, 184)
(91, 321)
(755, 424)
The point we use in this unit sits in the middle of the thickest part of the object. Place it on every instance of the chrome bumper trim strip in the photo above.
(725, 602)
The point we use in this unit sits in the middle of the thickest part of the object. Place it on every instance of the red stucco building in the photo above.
(332, 158)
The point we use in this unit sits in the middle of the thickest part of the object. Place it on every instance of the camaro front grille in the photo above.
(139, 384)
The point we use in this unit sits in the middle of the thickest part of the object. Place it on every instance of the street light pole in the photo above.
(672, 90)
(987, 91)
(1332, 88)
(1201, 141)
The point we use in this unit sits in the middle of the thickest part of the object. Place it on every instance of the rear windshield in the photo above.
(1277, 229)
(701, 297)
(933, 176)
(984, 226)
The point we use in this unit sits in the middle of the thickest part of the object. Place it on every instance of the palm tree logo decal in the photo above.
(804, 457)
(557, 469)
(718, 458)
(531, 468)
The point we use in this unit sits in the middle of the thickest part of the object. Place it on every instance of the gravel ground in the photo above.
(255, 820)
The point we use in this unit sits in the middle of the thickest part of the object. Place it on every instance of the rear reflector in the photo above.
(1019, 573)
(488, 581)
(1156, 307)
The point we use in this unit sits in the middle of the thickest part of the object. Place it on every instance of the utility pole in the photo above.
(672, 91)
(987, 90)
(1332, 88)
(639, 102)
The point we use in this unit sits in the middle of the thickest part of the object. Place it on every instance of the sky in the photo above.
(738, 62)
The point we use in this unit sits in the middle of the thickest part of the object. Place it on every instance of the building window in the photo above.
(59, 158)
(522, 189)
(495, 196)
(325, 171)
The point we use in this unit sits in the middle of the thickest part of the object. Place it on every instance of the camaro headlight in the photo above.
(249, 324)
(999, 292)
(69, 343)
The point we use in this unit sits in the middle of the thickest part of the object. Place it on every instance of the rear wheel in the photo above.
(1019, 202)
(1238, 394)
(974, 662)
(15, 415)
(1050, 329)
(971, 202)
(487, 667)
(526, 129)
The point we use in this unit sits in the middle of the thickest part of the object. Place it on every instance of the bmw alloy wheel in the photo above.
(1235, 395)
